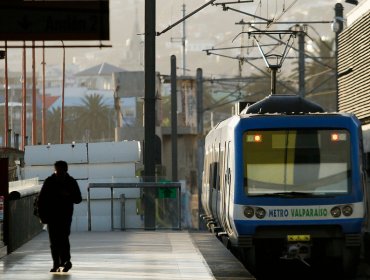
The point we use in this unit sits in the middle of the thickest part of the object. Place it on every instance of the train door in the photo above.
(214, 185)
(223, 188)
(227, 188)
(220, 198)
(205, 185)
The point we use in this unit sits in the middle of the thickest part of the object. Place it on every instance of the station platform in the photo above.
(128, 255)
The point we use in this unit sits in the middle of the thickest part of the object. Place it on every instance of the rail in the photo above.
(142, 185)
(23, 225)
(23, 188)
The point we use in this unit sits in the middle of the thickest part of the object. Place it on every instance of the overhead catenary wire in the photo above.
(283, 12)
(307, 55)
(279, 40)
(255, 66)
(184, 18)
(269, 22)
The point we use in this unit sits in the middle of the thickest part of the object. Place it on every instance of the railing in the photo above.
(150, 194)
(23, 225)
(23, 188)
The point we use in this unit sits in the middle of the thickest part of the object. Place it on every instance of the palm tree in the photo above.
(95, 119)
(315, 70)
(320, 75)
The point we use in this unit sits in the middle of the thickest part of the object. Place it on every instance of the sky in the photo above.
(211, 27)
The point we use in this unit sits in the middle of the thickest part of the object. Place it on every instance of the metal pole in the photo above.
(34, 120)
(24, 99)
(174, 118)
(273, 79)
(111, 209)
(179, 205)
(183, 41)
(43, 96)
(301, 36)
(7, 142)
(149, 119)
(199, 81)
(88, 210)
(339, 21)
(149, 87)
(62, 110)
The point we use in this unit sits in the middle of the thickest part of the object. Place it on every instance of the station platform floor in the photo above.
(128, 255)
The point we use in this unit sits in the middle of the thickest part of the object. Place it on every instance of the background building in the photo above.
(353, 68)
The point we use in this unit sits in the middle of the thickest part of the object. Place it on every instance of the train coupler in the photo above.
(297, 251)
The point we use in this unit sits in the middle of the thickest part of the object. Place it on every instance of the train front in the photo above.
(299, 189)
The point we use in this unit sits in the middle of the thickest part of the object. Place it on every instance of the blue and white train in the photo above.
(286, 180)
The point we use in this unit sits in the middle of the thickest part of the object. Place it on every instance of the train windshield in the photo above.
(305, 162)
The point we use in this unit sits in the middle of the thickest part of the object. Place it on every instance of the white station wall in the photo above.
(105, 162)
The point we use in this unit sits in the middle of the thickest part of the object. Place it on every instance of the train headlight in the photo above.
(248, 212)
(347, 210)
(335, 212)
(260, 213)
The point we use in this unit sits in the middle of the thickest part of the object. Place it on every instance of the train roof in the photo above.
(284, 104)
(280, 105)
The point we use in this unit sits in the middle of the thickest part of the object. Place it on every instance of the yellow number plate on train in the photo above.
(300, 237)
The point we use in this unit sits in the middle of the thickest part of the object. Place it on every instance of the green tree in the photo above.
(53, 123)
(320, 84)
(320, 76)
(95, 119)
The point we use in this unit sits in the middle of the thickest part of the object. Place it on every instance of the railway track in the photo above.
(296, 270)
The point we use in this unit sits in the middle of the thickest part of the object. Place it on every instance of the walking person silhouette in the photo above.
(57, 197)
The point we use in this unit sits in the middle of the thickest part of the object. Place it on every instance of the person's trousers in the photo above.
(59, 232)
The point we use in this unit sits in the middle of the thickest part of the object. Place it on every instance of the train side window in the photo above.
(213, 175)
(221, 170)
(206, 170)
(228, 176)
(367, 163)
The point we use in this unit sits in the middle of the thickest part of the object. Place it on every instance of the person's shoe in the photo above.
(67, 266)
(54, 269)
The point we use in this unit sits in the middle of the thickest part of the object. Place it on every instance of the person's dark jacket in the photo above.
(56, 198)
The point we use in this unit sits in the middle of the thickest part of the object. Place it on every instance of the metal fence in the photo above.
(158, 205)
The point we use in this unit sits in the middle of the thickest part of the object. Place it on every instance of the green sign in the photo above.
(167, 192)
